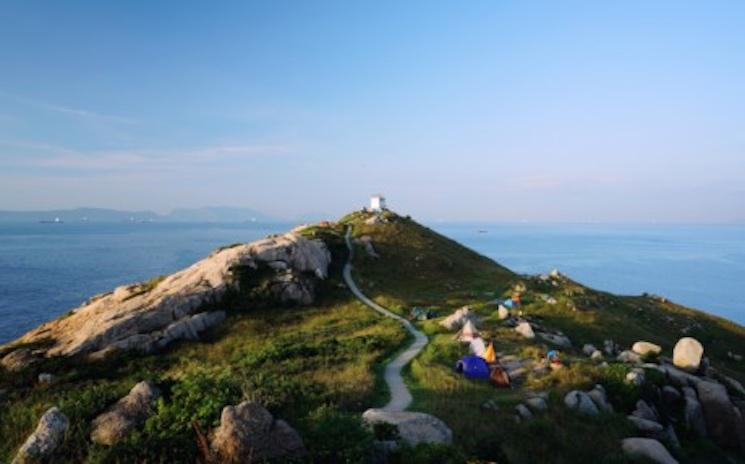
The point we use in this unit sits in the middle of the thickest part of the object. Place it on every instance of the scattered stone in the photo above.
(644, 348)
(559, 340)
(588, 349)
(537, 404)
(596, 355)
(629, 357)
(644, 411)
(49, 434)
(249, 433)
(600, 398)
(490, 405)
(581, 402)
(693, 413)
(645, 426)
(610, 347)
(635, 377)
(523, 412)
(366, 242)
(647, 448)
(734, 356)
(17, 360)
(722, 418)
(503, 313)
(687, 354)
(46, 378)
(122, 418)
(525, 330)
(413, 427)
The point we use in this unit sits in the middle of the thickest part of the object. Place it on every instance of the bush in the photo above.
(333, 436)
(427, 453)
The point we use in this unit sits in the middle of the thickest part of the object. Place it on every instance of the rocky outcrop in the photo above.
(723, 419)
(128, 413)
(248, 433)
(687, 354)
(525, 329)
(49, 434)
(151, 315)
(693, 413)
(647, 448)
(413, 427)
(581, 402)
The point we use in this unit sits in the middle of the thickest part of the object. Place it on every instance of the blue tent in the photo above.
(473, 367)
(508, 303)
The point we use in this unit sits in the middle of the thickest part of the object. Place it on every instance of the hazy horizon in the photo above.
(579, 112)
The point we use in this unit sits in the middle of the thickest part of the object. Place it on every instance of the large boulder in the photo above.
(723, 420)
(124, 416)
(646, 426)
(413, 427)
(581, 402)
(599, 397)
(49, 434)
(558, 340)
(249, 433)
(18, 360)
(147, 316)
(645, 348)
(687, 354)
(647, 448)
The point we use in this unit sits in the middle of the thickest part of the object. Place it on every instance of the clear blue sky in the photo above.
(541, 111)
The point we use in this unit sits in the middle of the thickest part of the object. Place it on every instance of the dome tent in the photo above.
(473, 367)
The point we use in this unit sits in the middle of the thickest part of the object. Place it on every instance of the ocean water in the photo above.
(48, 269)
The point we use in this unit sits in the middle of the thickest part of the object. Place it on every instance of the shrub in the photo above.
(333, 436)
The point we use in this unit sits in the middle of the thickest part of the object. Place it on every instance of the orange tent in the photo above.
(490, 355)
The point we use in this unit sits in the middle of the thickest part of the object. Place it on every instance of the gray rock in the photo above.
(413, 427)
(581, 402)
(687, 354)
(646, 426)
(693, 413)
(49, 434)
(17, 360)
(600, 398)
(596, 355)
(122, 418)
(644, 411)
(249, 433)
(610, 347)
(629, 357)
(722, 419)
(45, 378)
(733, 385)
(647, 448)
(678, 377)
(523, 412)
(559, 340)
(588, 349)
(537, 404)
(525, 329)
(643, 348)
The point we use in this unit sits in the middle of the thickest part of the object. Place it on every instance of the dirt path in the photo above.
(400, 395)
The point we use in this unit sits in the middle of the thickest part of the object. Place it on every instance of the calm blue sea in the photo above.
(47, 269)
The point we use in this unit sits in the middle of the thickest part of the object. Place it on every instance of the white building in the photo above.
(377, 203)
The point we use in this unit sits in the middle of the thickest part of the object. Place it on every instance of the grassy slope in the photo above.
(419, 267)
(315, 367)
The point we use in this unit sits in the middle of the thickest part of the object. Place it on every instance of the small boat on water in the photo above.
(482, 231)
(55, 221)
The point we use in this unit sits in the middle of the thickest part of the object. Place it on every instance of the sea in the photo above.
(48, 269)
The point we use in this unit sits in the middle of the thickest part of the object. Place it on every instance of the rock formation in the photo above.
(248, 433)
(413, 427)
(148, 316)
(128, 413)
(49, 434)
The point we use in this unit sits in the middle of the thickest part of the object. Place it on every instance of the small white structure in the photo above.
(377, 203)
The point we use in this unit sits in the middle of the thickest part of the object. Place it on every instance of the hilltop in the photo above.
(269, 330)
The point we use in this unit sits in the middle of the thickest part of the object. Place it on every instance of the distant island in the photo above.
(205, 214)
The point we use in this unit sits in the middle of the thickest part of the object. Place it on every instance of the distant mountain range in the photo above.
(205, 214)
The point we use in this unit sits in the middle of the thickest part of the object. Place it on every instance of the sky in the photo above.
(463, 111)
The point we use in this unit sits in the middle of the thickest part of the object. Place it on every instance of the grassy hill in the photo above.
(318, 367)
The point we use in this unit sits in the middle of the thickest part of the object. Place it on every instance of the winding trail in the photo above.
(400, 394)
